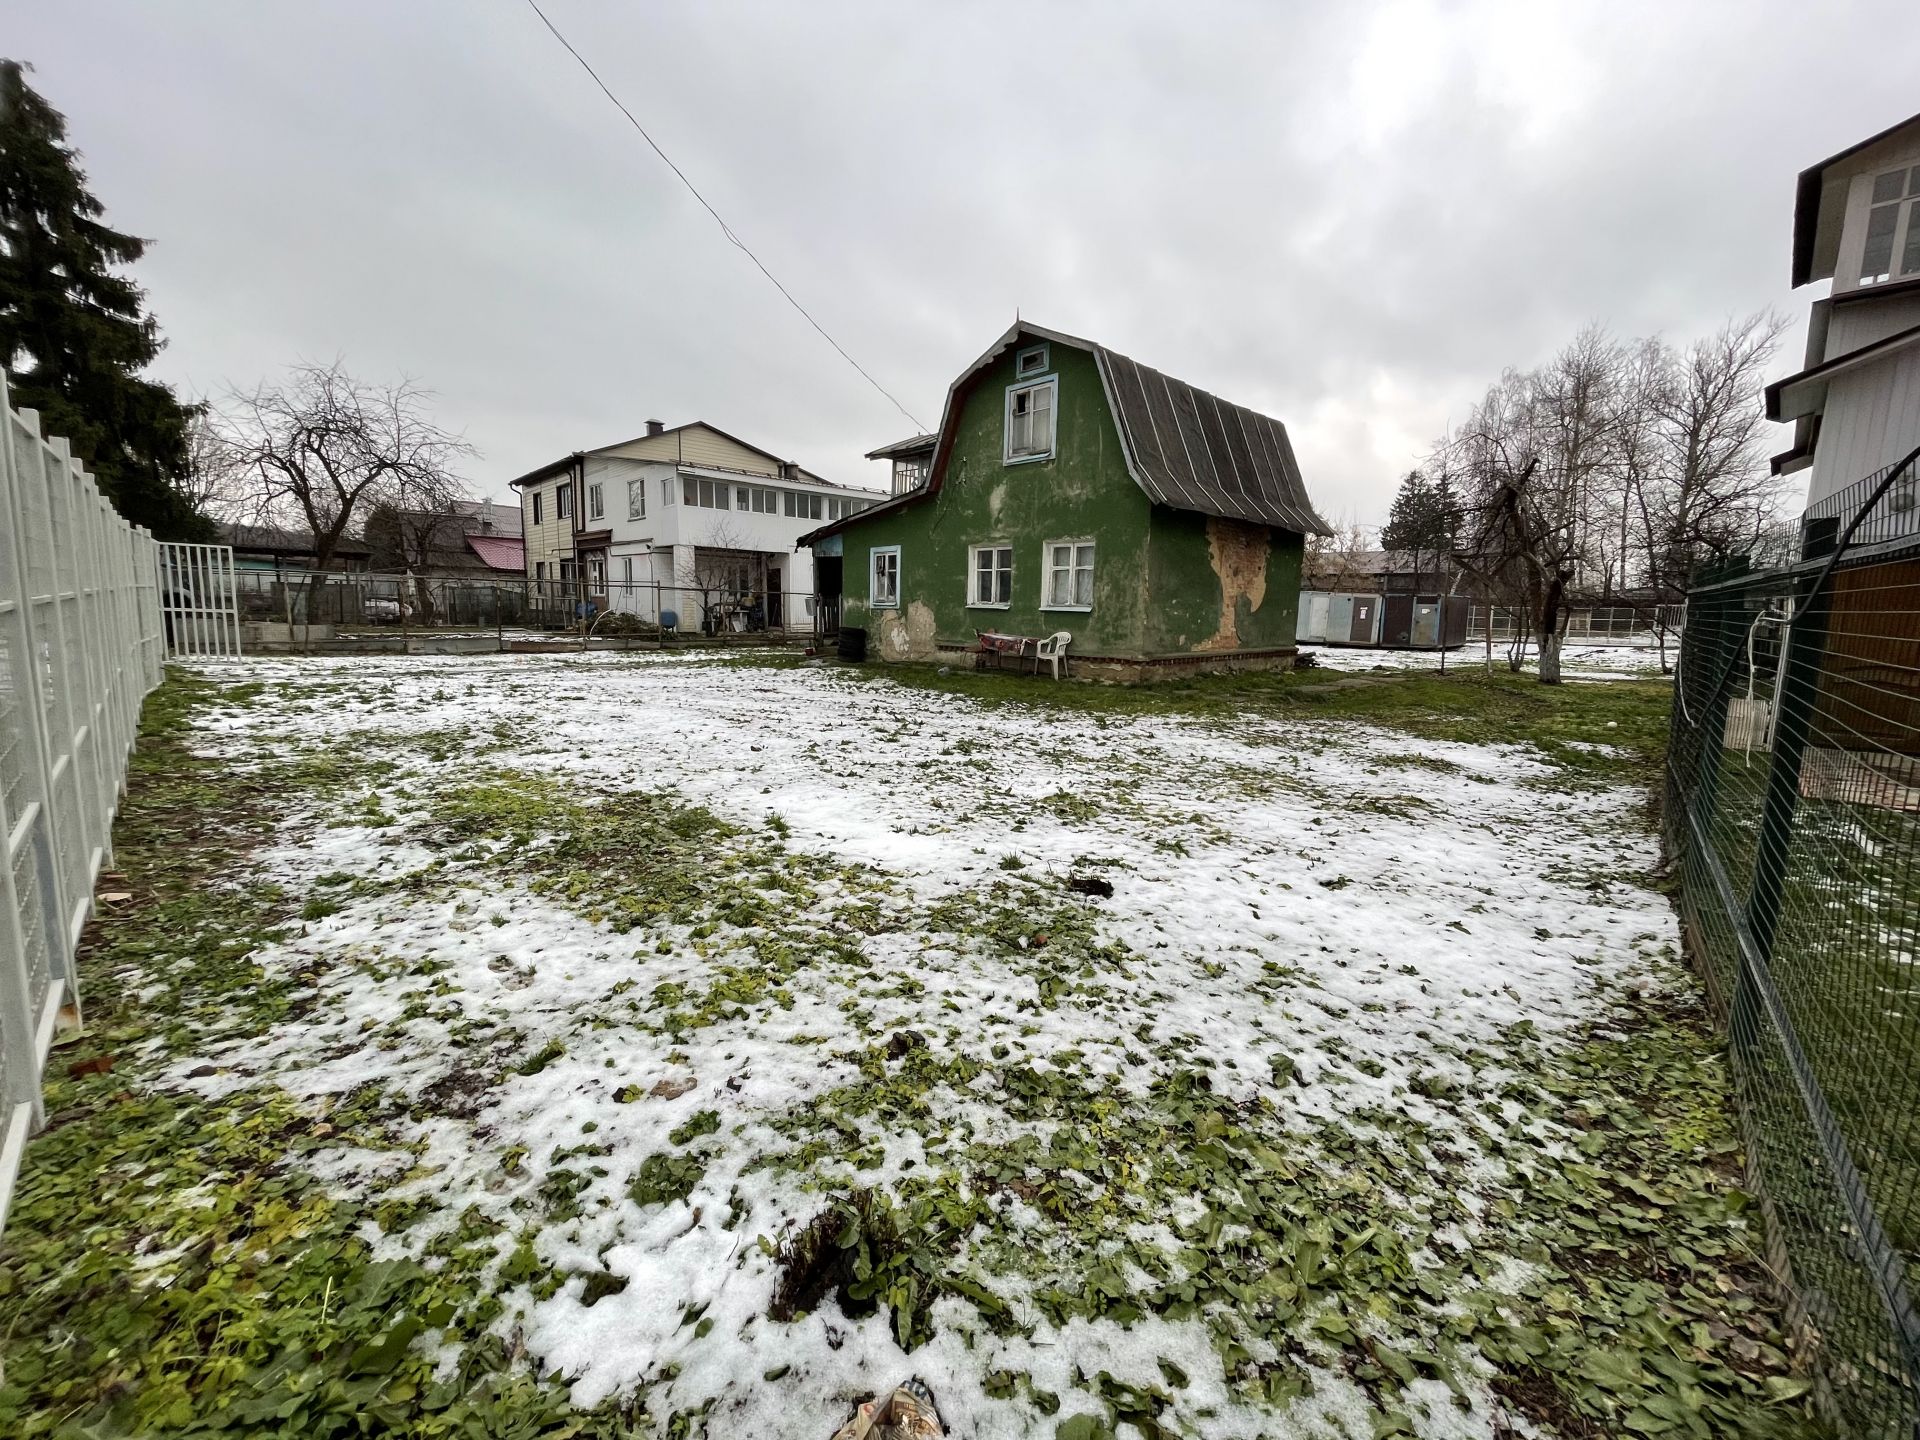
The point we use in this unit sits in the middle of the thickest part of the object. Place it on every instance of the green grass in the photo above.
(269, 1315)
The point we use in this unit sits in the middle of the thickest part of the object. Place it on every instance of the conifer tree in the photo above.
(74, 332)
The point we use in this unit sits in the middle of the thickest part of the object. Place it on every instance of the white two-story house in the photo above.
(1855, 406)
(687, 522)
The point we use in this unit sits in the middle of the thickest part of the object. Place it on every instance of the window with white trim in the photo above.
(597, 575)
(636, 499)
(803, 507)
(765, 501)
(626, 569)
(991, 572)
(1893, 227)
(563, 501)
(596, 502)
(883, 588)
(1030, 361)
(1030, 420)
(1069, 575)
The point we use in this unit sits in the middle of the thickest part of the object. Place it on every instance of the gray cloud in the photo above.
(1351, 216)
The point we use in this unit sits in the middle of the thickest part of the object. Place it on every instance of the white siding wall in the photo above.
(552, 539)
(1872, 419)
(1864, 321)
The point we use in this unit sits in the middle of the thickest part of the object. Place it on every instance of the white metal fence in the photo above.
(80, 646)
(199, 604)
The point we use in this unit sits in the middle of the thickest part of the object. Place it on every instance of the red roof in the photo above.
(501, 552)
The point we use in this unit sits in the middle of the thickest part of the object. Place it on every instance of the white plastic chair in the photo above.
(1052, 650)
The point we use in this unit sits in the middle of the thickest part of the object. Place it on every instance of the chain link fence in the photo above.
(303, 609)
(1793, 816)
(80, 646)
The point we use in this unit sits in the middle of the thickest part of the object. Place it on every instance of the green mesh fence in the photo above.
(1793, 816)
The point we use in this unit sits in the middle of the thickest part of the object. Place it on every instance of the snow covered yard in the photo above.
(725, 1041)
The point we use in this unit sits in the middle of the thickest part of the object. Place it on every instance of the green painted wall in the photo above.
(1166, 582)
(1083, 492)
(1221, 585)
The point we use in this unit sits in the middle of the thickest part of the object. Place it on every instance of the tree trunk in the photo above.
(1549, 642)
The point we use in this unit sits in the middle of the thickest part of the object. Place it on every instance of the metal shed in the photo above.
(1394, 622)
(1339, 618)
(1413, 622)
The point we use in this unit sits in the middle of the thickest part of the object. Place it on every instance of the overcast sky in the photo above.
(1351, 216)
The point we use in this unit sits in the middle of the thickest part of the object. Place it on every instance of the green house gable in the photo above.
(1068, 538)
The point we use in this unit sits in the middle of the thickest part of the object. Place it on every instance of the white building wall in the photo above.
(1872, 419)
(1865, 321)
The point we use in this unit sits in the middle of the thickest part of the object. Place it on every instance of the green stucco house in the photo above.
(1073, 489)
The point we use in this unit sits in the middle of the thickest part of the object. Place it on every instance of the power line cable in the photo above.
(725, 229)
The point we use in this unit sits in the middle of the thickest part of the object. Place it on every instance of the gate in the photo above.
(199, 604)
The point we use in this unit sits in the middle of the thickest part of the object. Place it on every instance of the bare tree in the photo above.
(1713, 494)
(210, 481)
(412, 540)
(1529, 463)
(722, 572)
(1613, 471)
(321, 449)
(1338, 561)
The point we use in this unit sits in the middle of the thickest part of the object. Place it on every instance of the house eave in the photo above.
(1806, 393)
(1811, 206)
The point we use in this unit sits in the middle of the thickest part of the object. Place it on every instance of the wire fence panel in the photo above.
(80, 647)
(1793, 817)
(305, 608)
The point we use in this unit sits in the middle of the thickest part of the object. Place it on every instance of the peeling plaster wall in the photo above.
(1222, 585)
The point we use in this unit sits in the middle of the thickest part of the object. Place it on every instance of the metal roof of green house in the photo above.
(1184, 447)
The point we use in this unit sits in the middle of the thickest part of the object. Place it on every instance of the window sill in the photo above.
(989, 605)
(1066, 609)
(883, 604)
(1027, 459)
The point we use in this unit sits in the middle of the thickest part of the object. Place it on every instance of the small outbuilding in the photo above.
(1073, 490)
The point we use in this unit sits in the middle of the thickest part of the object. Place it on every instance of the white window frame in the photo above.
(1074, 544)
(974, 602)
(874, 556)
(636, 499)
(626, 569)
(1049, 383)
(597, 576)
(596, 502)
(1906, 224)
(1022, 370)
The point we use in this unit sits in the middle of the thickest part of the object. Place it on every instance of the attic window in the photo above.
(1030, 361)
(1893, 226)
(1030, 421)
